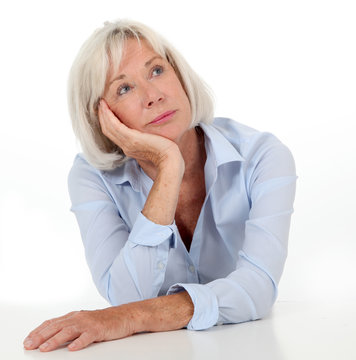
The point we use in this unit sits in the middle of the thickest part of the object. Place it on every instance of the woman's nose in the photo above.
(151, 95)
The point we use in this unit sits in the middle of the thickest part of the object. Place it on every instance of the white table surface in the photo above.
(294, 330)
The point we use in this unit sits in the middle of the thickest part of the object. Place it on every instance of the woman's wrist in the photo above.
(172, 163)
(164, 313)
(161, 203)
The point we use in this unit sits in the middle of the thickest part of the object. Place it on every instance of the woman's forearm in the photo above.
(164, 313)
(161, 203)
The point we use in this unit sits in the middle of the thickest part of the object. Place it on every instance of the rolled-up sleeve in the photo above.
(249, 292)
(125, 265)
(206, 307)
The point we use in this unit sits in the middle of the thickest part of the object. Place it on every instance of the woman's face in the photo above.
(146, 94)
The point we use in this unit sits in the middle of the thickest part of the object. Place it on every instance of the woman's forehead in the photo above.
(133, 53)
(134, 50)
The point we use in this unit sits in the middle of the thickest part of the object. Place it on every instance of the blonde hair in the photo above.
(87, 79)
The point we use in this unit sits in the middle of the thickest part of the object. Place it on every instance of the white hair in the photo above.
(87, 80)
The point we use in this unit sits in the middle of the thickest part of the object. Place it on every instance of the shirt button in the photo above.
(191, 269)
(160, 265)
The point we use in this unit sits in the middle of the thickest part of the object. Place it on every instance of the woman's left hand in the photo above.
(84, 327)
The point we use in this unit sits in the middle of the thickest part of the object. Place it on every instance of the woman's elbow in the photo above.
(249, 306)
(264, 309)
(264, 300)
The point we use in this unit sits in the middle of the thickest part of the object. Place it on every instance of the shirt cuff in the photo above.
(206, 308)
(147, 233)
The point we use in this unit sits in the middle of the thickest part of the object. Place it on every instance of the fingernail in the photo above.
(44, 346)
(28, 342)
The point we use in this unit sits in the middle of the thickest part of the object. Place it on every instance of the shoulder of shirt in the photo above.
(81, 164)
(245, 139)
(81, 169)
(127, 172)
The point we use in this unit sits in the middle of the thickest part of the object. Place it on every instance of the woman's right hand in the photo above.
(135, 144)
(161, 203)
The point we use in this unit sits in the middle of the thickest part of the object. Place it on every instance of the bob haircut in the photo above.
(87, 79)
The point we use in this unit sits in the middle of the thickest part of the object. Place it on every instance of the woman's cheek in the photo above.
(131, 115)
(120, 111)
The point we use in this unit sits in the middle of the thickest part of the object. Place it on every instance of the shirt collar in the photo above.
(219, 146)
(216, 145)
(129, 171)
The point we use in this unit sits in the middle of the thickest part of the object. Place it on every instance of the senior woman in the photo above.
(184, 218)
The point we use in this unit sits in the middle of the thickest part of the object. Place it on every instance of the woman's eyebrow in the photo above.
(147, 63)
(117, 78)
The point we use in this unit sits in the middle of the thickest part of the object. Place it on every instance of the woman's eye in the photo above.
(157, 70)
(123, 89)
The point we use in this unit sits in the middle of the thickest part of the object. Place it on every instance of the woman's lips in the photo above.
(163, 117)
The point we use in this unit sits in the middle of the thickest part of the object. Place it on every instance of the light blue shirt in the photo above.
(239, 246)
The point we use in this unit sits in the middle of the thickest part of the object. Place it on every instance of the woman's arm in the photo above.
(128, 260)
(248, 292)
(156, 314)
(164, 313)
(161, 203)
(164, 154)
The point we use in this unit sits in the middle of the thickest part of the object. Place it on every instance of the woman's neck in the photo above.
(193, 152)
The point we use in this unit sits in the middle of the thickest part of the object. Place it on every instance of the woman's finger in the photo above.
(82, 341)
(66, 334)
(135, 144)
(108, 119)
(50, 322)
(107, 116)
(47, 329)
(113, 128)
(39, 336)
(109, 123)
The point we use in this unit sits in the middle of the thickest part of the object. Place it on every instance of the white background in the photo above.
(287, 67)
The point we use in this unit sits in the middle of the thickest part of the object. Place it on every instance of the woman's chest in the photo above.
(187, 214)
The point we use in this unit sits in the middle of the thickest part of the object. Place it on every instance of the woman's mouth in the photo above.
(163, 117)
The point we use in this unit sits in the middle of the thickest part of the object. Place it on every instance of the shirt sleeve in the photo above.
(125, 265)
(249, 292)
